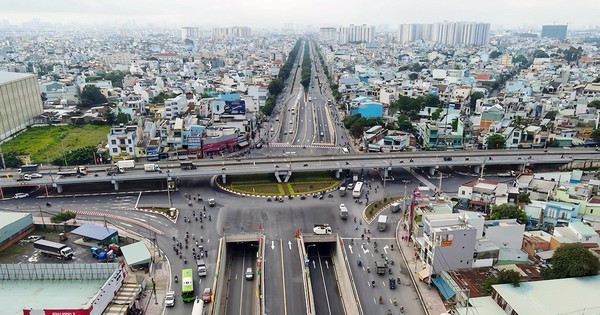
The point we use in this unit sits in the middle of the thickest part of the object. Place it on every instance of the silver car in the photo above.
(170, 299)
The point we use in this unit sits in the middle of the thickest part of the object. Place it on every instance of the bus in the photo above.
(357, 190)
(198, 307)
(187, 285)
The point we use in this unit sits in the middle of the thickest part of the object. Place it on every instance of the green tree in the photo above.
(551, 115)
(538, 53)
(11, 160)
(506, 211)
(520, 59)
(275, 86)
(81, 156)
(594, 104)
(91, 96)
(595, 134)
(570, 261)
(437, 114)
(495, 54)
(454, 124)
(63, 216)
(474, 97)
(496, 141)
(267, 109)
(123, 118)
(413, 76)
(503, 276)
(572, 54)
(523, 199)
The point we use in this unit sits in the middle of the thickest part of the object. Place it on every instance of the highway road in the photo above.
(518, 158)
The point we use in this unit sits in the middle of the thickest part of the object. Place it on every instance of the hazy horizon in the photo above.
(277, 13)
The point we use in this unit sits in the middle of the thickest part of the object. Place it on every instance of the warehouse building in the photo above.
(74, 289)
(13, 227)
(20, 102)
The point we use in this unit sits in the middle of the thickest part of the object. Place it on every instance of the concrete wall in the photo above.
(344, 280)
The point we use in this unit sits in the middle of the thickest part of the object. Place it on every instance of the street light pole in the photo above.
(42, 215)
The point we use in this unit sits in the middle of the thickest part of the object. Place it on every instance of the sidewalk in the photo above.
(433, 303)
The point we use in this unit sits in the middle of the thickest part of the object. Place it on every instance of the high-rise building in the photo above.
(356, 34)
(554, 31)
(190, 33)
(231, 32)
(20, 102)
(449, 33)
(327, 33)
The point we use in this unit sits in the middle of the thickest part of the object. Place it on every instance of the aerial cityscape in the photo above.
(254, 158)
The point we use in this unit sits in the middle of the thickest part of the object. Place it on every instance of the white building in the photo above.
(20, 102)
(449, 33)
(190, 33)
(122, 140)
(176, 106)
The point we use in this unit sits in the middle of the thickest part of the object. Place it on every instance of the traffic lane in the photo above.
(294, 278)
(273, 277)
(241, 295)
(323, 282)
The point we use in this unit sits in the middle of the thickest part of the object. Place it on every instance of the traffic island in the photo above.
(266, 186)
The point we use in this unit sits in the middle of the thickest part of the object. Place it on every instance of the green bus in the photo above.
(187, 285)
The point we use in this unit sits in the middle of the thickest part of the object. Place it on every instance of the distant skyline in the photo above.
(317, 13)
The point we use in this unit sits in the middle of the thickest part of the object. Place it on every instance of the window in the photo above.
(122, 141)
(113, 141)
(114, 150)
(462, 192)
(128, 141)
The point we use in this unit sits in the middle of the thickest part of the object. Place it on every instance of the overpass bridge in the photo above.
(284, 167)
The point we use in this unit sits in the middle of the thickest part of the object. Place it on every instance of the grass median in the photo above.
(300, 183)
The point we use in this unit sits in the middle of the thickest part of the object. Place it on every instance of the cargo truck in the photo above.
(59, 250)
(343, 211)
(151, 168)
(79, 170)
(33, 168)
(125, 164)
(380, 268)
(201, 267)
(342, 191)
(395, 207)
(382, 222)
(114, 170)
(322, 229)
(187, 165)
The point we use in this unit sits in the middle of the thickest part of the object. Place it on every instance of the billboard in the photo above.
(237, 107)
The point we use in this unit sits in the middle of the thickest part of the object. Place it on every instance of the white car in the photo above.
(170, 299)
(36, 175)
(211, 202)
(21, 195)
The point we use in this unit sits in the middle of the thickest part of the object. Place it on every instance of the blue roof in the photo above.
(443, 287)
(95, 232)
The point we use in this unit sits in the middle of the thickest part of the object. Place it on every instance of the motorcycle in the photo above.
(48, 204)
(176, 279)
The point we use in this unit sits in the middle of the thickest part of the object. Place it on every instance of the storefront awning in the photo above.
(443, 287)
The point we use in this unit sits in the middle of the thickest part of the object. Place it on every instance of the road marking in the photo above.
(273, 245)
(350, 248)
(314, 264)
(385, 249)
(327, 263)
(283, 278)
(138, 200)
(290, 244)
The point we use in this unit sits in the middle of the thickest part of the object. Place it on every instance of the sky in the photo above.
(316, 13)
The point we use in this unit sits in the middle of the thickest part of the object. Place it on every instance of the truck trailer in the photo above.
(79, 170)
(151, 168)
(187, 165)
(59, 250)
(33, 168)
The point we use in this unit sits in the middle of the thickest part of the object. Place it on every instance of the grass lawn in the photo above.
(266, 184)
(375, 206)
(47, 143)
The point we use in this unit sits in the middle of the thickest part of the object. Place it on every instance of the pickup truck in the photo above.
(322, 229)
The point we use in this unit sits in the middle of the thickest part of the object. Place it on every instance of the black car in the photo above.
(447, 158)
(392, 283)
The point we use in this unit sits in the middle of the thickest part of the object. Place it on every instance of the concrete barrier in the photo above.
(308, 295)
(219, 281)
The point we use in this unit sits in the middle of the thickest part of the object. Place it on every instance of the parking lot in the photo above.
(23, 251)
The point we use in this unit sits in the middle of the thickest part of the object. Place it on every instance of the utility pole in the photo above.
(42, 215)
(2, 156)
(440, 186)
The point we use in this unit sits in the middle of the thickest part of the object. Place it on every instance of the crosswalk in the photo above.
(117, 217)
(298, 146)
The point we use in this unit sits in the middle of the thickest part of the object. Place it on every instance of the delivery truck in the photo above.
(59, 250)
(343, 211)
(322, 229)
(382, 222)
(125, 164)
(151, 168)
(342, 191)
(77, 171)
(187, 165)
(114, 170)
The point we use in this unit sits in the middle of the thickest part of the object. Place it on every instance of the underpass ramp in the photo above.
(348, 294)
